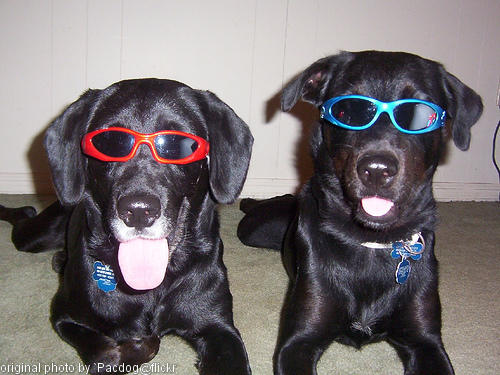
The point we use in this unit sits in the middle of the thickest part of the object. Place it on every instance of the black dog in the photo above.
(358, 240)
(144, 256)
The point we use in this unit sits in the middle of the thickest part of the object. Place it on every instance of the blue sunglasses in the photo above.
(357, 112)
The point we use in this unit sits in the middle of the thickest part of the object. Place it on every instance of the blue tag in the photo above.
(104, 276)
(407, 250)
(403, 271)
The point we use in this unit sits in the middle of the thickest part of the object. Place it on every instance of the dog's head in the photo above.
(142, 201)
(381, 176)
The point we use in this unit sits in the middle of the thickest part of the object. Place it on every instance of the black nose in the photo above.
(139, 211)
(377, 171)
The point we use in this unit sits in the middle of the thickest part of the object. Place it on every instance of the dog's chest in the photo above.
(368, 320)
(365, 295)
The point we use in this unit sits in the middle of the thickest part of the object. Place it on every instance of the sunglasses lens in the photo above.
(354, 112)
(174, 146)
(414, 116)
(114, 143)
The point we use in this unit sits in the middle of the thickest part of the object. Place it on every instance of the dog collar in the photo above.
(411, 249)
(378, 245)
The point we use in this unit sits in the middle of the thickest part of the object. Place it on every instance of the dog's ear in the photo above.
(62, 143)
(230, 149)
(312, 83)
(464, 107)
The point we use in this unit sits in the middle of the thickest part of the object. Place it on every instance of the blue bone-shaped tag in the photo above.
(104, 276)
(400, 250)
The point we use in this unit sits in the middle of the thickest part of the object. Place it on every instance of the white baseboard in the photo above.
(261, 188)
(466, 191)
(26, 183)
(443, 191)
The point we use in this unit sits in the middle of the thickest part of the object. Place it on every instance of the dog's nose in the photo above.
(139, 211)
(376, 171)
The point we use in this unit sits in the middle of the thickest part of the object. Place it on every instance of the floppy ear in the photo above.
(62, 143)
(464, 107)
(230, 149)
(312, 83)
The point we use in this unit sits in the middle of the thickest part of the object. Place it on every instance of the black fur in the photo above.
(339, 288)
(124, 326)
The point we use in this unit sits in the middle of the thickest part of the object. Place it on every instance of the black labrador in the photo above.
(358, 240)
(138, 169)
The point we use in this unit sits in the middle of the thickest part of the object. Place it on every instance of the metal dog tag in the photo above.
(104, 276)
(413, 250)
(403, 271)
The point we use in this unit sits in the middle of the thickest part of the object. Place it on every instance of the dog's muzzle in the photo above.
(377, 173)
(140, 228)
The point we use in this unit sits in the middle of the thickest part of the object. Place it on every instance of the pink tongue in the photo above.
(376, 206)
(143, 262)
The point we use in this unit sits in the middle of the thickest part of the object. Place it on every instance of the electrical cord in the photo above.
(495, 135)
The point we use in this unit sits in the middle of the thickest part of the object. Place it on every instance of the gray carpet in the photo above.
(467, 247)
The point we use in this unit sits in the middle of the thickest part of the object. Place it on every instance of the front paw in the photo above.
(139, 350)
(121, 358)
(226, 368)
(224, 362)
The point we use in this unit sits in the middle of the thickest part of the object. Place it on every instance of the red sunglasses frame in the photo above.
(89, 149)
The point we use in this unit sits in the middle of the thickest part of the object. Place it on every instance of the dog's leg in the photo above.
(416, 335)
(305, 332)
(15, 215)
(102, 354)
(34, 233)
(221, 351)
(266, 222)
(425, 358)
(298, 354)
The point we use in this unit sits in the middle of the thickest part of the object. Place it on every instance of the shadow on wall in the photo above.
(39, 165)
(308, 116)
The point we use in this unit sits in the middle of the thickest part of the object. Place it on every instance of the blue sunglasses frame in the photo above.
(383, 107)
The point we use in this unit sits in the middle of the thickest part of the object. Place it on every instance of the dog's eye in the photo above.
(175, 146)
(414, 116)
(114, 143)
(354, 112)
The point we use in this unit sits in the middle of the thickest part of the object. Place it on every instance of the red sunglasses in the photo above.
(167, 146)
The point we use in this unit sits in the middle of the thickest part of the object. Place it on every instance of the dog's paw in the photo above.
(224, 367)
(59, 261)
(13, 215)
(247, 204)
(28, 211)
(107, 361)
(139, 350)
(119, 358)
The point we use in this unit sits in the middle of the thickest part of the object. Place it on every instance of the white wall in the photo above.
(244, 51)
